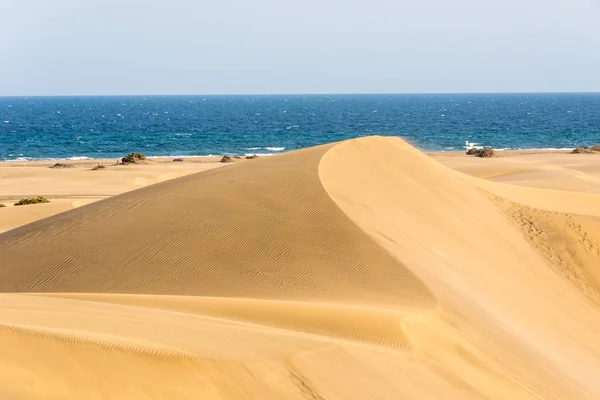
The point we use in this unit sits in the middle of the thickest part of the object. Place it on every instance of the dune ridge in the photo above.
(362, 269)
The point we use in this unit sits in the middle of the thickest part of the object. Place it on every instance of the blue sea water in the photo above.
(109, 127)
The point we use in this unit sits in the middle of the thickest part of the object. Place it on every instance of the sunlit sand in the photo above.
(359, 270)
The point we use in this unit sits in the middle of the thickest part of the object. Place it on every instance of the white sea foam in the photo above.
(533, 149)
(253, 148)
(275, 148)
(78, 158)
(184, 156)
(74, 158)
(6, 122)
(260, 154)
(547, 149)
(21, 159)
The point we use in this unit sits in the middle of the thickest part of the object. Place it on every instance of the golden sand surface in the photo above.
(358, 270)
(69, 188)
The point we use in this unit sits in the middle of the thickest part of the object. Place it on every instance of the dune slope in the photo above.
(357, 270)
(266, 230)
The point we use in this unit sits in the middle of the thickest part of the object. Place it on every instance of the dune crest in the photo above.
(363, 269)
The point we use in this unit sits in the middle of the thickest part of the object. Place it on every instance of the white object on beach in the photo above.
(469, 146)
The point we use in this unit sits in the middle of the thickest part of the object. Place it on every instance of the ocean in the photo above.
(109, 127)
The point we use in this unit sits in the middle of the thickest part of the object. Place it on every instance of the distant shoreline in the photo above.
(82, 160)
(105, 161)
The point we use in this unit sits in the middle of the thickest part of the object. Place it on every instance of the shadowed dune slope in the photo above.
(359, 270)
(265, 229)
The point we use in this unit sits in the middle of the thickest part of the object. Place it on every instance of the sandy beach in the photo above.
(68, 188)
(363, 269)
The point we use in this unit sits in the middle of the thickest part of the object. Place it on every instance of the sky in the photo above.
(109, 47)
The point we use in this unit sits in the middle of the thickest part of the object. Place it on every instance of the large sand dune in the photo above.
(359, 270)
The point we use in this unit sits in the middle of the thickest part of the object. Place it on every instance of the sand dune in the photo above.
(358, 270)
(73, 187)
(558, 170)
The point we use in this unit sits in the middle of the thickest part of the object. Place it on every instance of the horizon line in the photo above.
(297, 94)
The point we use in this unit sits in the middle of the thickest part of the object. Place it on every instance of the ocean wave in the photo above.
(266, 148)
(185, 156)
(529, 149)
(260, 154)
(78, 158)
(546, 149)
(20, 159)
(533, 149)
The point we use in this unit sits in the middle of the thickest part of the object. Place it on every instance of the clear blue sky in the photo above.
(71, 47)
